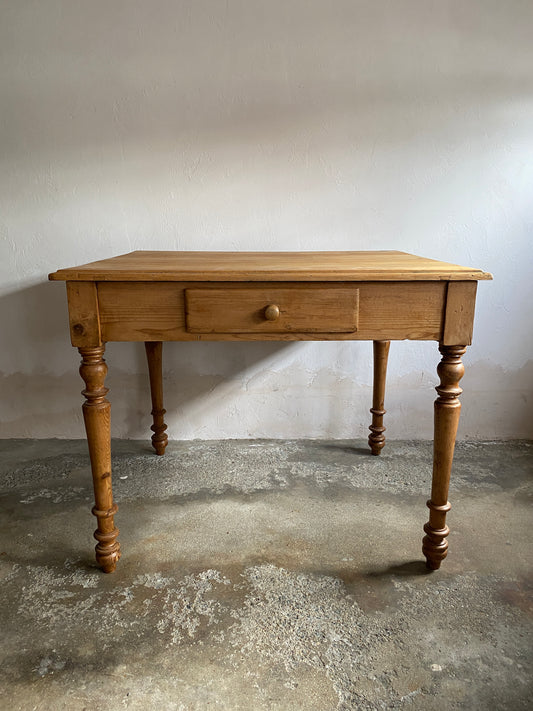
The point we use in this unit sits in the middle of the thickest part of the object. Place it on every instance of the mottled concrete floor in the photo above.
(266, 575)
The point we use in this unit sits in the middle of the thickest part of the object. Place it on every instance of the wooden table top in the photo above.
(269, 266)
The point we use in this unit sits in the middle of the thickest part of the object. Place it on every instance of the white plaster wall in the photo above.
(286, 125)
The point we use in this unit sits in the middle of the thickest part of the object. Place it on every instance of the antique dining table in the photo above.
(158, 296)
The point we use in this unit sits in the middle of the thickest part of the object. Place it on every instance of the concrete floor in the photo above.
(266, 575)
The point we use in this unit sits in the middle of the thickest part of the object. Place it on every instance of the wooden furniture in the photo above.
(265, 296)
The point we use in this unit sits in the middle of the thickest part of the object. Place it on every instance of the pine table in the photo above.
(269, 296)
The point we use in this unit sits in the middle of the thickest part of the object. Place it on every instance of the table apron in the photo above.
(156, 311)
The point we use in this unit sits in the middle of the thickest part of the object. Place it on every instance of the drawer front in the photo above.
(317, 308)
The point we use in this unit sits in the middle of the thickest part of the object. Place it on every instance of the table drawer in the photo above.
(317, 308)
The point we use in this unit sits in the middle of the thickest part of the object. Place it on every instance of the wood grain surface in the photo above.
(268, 266)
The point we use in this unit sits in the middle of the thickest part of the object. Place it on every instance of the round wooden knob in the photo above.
(272, 312)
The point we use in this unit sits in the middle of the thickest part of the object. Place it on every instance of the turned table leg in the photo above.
(154, 355)
(376, 439)
(447, 410)
(96, 414)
